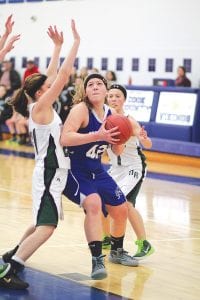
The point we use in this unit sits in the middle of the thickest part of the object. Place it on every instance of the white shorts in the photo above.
(47, 188)
(126, 177)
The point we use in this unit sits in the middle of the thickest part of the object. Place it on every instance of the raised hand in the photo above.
(9, 25)
(57, 37)
(10, 44)
(8, 29)
(74, 31)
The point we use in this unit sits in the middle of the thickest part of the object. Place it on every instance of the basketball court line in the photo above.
(46, 286)
(153, 175)
(68, 210)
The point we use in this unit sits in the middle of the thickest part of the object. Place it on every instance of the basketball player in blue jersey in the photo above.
(88, 184)
(129, 169)
(35, 100)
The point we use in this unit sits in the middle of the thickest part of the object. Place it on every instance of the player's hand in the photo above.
(10, 44)
(109, 136)
(143, 133)
(9, 25)
(57, 37)
(74, 31)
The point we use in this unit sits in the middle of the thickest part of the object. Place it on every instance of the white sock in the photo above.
(19, 260)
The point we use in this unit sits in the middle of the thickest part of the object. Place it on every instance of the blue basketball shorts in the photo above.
(81, 184)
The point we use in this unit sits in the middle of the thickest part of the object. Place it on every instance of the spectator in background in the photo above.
(6, 47)
(9, 77)
(83, 72)
(31, 68)
(5, 109)
(3, 93)
(110, 77)
(182, 79)
(18, 128)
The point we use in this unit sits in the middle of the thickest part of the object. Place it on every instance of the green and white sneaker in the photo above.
(98, 268)
(121, 257)
(4, 269)
(9, 280)
(106, 243)
(144, 249)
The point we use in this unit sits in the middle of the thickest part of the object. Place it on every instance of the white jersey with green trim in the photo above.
(130, 155)
(46, 141)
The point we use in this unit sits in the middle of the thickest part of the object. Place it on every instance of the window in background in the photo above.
(104, 64)
(152, 65)
(37, 61)
(119, 64)
(90, 63)
(12, 59)
(169, 63)
(135, 64)
(24, 60)
(15, 1)
(187, 63)
(76, 63)
(47, 61)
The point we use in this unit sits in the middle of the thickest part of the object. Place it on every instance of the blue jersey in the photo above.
(87, 175)
(88, 156)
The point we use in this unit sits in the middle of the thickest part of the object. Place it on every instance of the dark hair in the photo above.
(119, 87)
(94, 75)
(183, 68)
(31, 85)
(114, 77)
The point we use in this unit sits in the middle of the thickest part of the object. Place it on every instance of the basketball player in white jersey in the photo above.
(35, 100)
(128, 169)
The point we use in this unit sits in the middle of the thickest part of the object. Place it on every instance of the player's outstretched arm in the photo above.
(57, 39)
(9, 46)
(8, 29)
(51, 95)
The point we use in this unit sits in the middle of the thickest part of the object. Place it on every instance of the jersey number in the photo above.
(96, 151)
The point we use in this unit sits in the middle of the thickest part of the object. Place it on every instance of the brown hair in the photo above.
(31, 85)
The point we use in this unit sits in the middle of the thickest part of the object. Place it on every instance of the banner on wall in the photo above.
(176, 108)
(138, 104)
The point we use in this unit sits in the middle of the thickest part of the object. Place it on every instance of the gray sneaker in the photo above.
(121, 257)
(98, 268)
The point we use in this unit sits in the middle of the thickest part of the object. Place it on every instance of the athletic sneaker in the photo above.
(106, 243)
(9, 280)
(8, 255)
(144, 249)
(98, 267)
(121, 257)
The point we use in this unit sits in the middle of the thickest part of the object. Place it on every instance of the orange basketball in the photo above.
(123, 124)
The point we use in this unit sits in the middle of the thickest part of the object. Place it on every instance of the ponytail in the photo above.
(19, 101)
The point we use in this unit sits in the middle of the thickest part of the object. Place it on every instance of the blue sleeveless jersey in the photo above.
(88, 156)
(87, 175)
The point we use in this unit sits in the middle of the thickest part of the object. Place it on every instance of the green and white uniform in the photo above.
(128, 169)
(50, 171)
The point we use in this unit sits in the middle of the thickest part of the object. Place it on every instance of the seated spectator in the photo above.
(66, 98)
(31, 68)
(110, 77)
(3, 93)
(9, 77)
(5, 109)
(83, 73)
(18, 128)
(182, 79)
